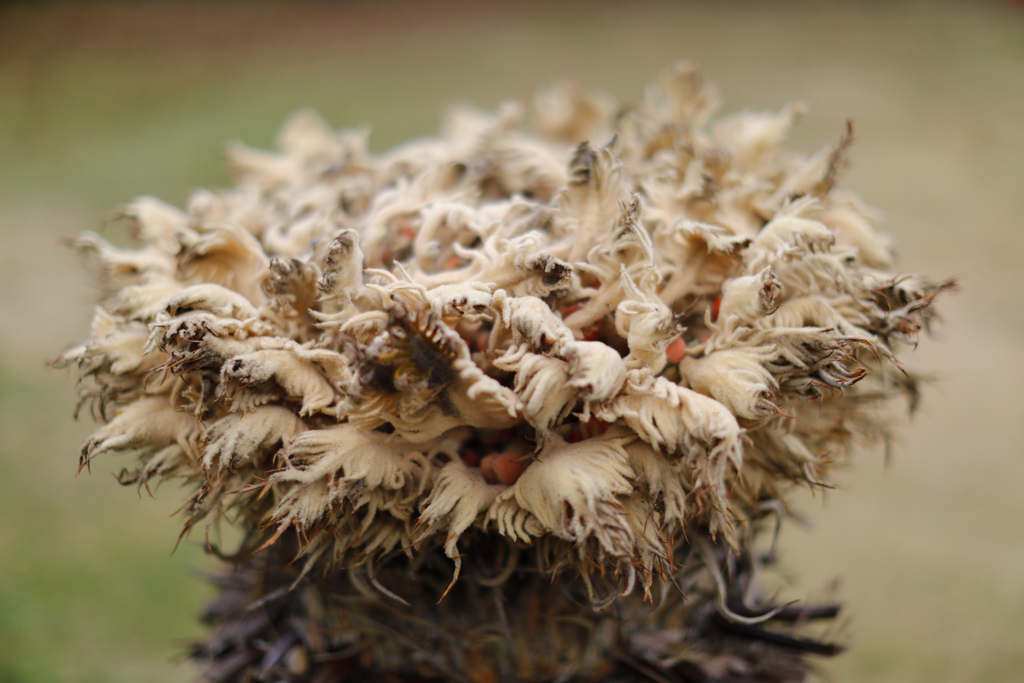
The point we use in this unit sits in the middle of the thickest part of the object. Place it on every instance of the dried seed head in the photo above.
(498, 347)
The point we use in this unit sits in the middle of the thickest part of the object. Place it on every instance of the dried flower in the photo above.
(599, 355)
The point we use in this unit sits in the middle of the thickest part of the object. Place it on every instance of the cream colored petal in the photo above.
(460, 495)
(750, 297)
(148, 423)
(214, 298)
(240, 437)
(572, 491)
(737, 379)
(299, 378)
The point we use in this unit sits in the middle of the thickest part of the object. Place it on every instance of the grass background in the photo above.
(102, 102)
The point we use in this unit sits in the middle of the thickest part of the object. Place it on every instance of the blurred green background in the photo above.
(103, 102)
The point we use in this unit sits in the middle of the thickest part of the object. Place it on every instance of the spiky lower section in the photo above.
(385, 621)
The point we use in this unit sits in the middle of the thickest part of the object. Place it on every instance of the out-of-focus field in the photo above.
(101, 103)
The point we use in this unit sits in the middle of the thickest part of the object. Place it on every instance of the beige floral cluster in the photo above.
(627, 325)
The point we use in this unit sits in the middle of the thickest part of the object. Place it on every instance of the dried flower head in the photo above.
(530, 375)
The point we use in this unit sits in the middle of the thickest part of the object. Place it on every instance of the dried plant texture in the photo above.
(553, 379)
